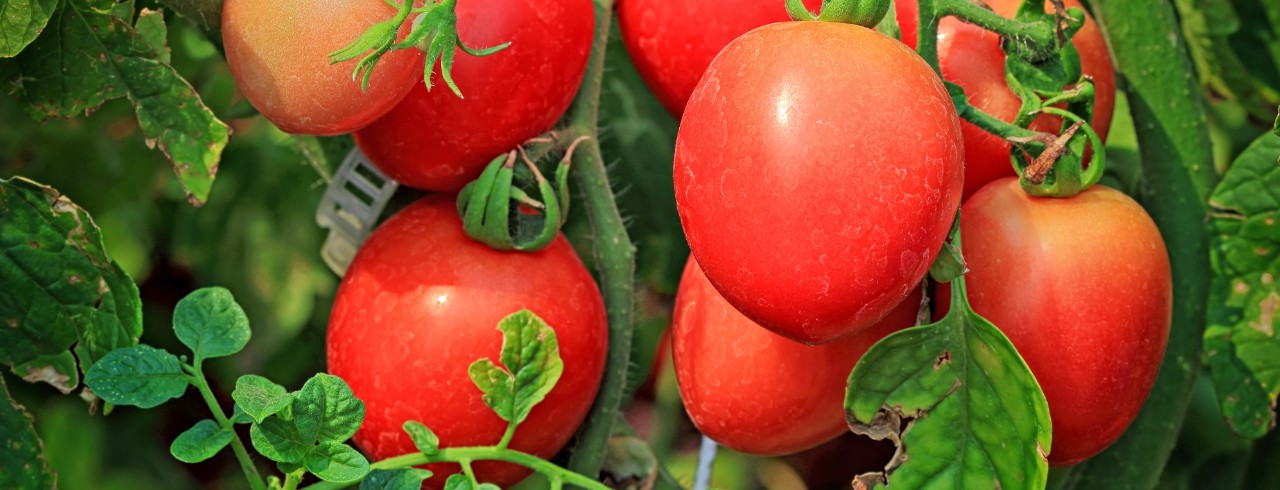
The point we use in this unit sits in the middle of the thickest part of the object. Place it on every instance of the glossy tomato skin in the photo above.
(753, 390)
(1081, 286)
(971, 57)
(672, 43)
(437, 141)
(817, 172)
(278, 52)
(421, 302)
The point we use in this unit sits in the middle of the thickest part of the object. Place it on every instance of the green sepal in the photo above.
(493, 207)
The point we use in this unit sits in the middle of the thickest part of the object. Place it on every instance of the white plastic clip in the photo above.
(350, 208)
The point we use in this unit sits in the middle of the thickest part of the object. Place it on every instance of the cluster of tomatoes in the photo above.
(818, 169)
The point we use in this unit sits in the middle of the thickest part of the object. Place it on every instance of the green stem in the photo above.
(242, 455)
(292, 480)
(1169, 120)
(506, 436)
(614, 255)
(995, 125)
(477, 453)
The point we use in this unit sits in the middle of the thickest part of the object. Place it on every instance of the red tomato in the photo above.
(817, 172)
(1082, 288)
(671, 43)
(753, 390)
(278, 52)
(437, 141)
(971, 57)
(421, 302)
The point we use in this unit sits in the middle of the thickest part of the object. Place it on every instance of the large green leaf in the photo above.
(22, 463)
(531, 366)
(200, 442)
(20, 22)
(326, 410)
(977, 417)
(1241, 346)
(1208, 26)
(58, 287)
(91, 53)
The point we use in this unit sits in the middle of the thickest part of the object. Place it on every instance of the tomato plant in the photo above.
(278, 52)
(725, 362)
(1082, 287)
(418, 305)
(972, 58)
(436, 140)
(812, 223)
(672, 43)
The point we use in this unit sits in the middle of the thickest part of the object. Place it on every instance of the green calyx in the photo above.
(866, 13)
(497, 211)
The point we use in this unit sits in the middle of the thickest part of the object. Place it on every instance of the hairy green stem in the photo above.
(614, 255)
(466, 455)
(506, 436)
(242, 455)
(1173, 139)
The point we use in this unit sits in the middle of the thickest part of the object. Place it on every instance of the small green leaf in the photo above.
(978, 417)
(210, 323)
(397, 479)
(142, 376)
(459, 481)
(425, 440)
(200, 442)
(278, 440)
(531, 356)
(326, 410)
(20, 22)
(949, 263)
(337, 462)
(259, 398)
(22, 463)
(1241, 345)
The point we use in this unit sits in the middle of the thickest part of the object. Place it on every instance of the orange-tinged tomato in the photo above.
(971, 57)
(818, 170)
(753, 390)
(278, 52)
(421, 302)
(1081, 286)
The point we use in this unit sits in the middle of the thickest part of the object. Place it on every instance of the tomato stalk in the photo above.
(196, 377)
(614, 254)
(1168, 115)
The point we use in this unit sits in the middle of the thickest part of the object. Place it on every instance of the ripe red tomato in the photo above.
(671, 43)
(278, 52)
(421, 302)
(971, 57)
(437, 141)
(816, 188)
(1081, 286)
(753, 390)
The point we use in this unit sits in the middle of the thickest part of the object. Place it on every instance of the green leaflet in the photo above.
(58, 287)
(22, 463)
(336, 462)
(89, 54)
(531, 356)
(20, 22)
(200, 442)
(141, 376)
(326, 410)
(980, 419)
(259, 398)
(397, 479)
(1241, 346)
(423, 438)
(211, 324)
